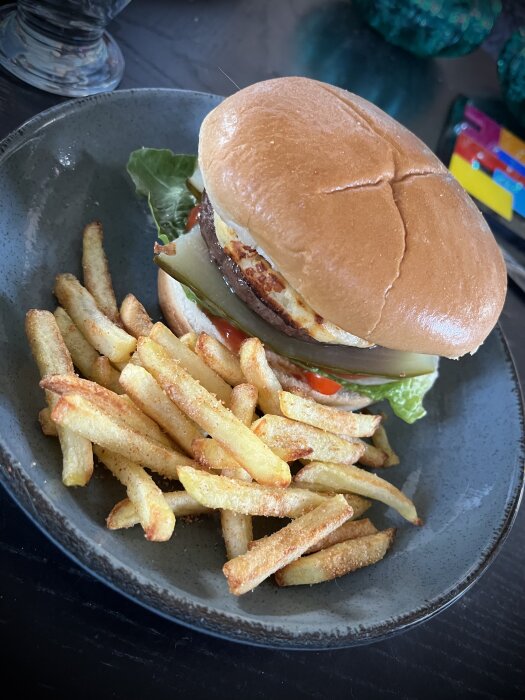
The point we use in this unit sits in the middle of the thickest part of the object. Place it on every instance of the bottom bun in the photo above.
(184, 316)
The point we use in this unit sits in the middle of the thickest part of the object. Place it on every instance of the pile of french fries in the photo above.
(218, 425)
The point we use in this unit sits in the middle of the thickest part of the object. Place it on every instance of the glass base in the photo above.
(53, 66)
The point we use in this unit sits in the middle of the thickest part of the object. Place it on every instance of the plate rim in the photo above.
(17, 483)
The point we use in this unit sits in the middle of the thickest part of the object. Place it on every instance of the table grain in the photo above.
(62, 632)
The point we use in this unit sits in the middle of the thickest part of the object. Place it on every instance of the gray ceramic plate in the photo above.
(462, 464)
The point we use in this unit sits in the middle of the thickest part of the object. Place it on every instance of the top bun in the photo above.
(357, 213)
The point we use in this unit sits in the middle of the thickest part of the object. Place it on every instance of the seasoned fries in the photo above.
(146, 391)
(271, 553)
(191, 362)
(96, 272)
(134, 317)
(250, 498)
(337, 560)
(154, 514)
(350, 479)
(327, 418)
(52, 356)
(108, 338)
(297, 440)
(124, 514)
(219, 358)
(252, 454)
(142, 388)
(84, 417)
(258, 372)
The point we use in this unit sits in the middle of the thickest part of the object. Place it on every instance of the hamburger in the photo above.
(321, 225)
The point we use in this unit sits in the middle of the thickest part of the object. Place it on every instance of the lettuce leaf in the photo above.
(161, 176)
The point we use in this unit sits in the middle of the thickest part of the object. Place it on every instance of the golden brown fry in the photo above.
(52, 356)
(381, 441)
(271, 553)
(96, 271)
(189, 340)
(237, 532)
(106, 337)
(191, 362)
(47, 425)
(350, 479)
(250, 498)
(105, 374)
(121, 408)
(252, 454)
(243, 402)
(258, 372)
(359, 504)
(347, 531)
(211, 455)
(134, 316)
(84, 417)
(151, 399)
(124, 514)
(327, 418)
(337, 560)
(220, 359)
(155, 515)
(299, 440)
(372, 455)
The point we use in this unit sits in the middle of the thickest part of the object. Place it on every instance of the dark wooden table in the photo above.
(63, 632)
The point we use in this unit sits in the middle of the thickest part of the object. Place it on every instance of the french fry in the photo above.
(47, 425)
(258, 372)
(337, 560)
(82, 416)
(189, 340)
(299, 440)
(155, 515)
(124, 514)
(220, 359)
(106, 337)
(151, 399)
(347, 531)
(237, 532)
(243, 402)
(381, 441)
(211, 455)
(247, 571)
(96, 271)
(209, 413)
(191, 362)
(215, 491)
(52, 356)
(119, 407)
(350, 479)
(359, 504)
(327, 418)
(134, 317)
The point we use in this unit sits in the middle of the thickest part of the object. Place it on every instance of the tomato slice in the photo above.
(232, 336)
(322, 384)
(193, 217)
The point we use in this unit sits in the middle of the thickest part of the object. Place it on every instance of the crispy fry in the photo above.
(250, 498)
(347, 531)
(155, 515)
(209, 453)
(119, 407)
(52, 356)
(151, 399)
(124, 514)
(381, 441)
(106, 337)
(84, 417)
(351, 479)
(359, 504)
(252, 454)
(337, 560)
(243, 402)
(327, 418)
(237, 532)
(47, 425)
(191, 362)
(96, 271)
(135, 317)
(258, 372)
(299, 440)
(220, 359)
(271, 553)
(189, 339)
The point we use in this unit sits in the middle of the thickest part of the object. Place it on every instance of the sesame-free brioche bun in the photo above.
(356, 213)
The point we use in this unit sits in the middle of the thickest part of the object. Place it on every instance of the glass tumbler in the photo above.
(61, 46)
